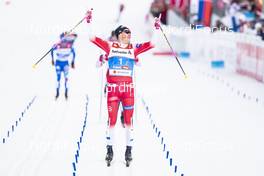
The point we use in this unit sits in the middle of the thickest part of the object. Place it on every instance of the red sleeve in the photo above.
(104, 45)
(143, 47)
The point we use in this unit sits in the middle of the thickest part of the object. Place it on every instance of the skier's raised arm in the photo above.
(104, 45)
(143, 47)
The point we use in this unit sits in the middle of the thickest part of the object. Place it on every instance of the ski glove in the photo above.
(157, 23)
(101, 60)
(72, 65)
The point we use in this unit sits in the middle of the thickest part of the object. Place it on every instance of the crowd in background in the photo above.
(244, 16)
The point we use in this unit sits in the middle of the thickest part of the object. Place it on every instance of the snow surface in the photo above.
(208, 126)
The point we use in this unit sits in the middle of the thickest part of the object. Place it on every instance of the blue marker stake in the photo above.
(77, 152)
(170, 161)
(159, 134)
(164, 147)
(76, 158)
(13, 128)
(74, 166)
(80, 139)
(78, 145)
(8, 134)
(162, 139)
(16, 123)
(3, 140)
(19, 119)
(167, 156)
(175, 168)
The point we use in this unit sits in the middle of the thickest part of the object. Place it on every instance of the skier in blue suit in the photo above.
(62, 54)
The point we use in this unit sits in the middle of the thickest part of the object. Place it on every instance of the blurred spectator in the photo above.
(233, 10)
(260, 31)
(219, 26)
(249, 28)
(157, 7)
(244, 15)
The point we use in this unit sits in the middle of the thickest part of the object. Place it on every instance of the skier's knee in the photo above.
(112, 122)
(128, 113)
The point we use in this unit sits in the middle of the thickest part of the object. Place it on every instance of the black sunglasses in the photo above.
(127, 31)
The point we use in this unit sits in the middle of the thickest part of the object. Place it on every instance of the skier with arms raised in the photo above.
(121, 58)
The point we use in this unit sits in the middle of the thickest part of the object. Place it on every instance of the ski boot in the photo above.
(66, 94)
(57, 94)
(128, 156)
(109, 155)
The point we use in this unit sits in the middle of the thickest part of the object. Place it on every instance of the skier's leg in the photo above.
(58, 73)
(128, 108)
(128, 105)
(66, 75)
(112, 105)
(112, 116)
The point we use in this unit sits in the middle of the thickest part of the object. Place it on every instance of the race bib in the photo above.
(121, 66)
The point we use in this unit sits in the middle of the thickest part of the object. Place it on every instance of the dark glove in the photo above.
(73, 65)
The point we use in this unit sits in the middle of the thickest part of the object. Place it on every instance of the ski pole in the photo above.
(185, 75)
(70, 31)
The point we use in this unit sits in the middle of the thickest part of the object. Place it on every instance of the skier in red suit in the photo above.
(121, 56)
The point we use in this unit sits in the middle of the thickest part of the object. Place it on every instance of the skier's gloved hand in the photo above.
(101, 60)
(88, 16)
(72, 65)
(121, 7)
(157, 22)
(137, 63)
